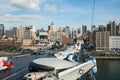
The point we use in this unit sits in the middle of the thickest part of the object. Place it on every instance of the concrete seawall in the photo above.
(2, 53)
(108, 58)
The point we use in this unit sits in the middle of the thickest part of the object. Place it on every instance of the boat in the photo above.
(6, 63)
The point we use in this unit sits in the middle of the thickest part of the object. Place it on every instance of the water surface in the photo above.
(108, 70)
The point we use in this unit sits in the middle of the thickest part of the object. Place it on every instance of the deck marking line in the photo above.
(15, 74)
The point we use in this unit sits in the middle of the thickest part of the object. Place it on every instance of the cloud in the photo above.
(51, 8)
(5, 7)
(26, 4)
(18, 20)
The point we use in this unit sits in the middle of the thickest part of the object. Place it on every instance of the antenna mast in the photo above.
(93, 14)
(93, 11)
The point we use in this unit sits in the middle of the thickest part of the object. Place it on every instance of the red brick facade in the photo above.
(67, 41)
(10, 44)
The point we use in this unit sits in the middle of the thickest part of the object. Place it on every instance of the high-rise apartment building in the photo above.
(102, 40)
(33, 31)
(53, 34)
(20, 33)
(27, 34)
(1, 30)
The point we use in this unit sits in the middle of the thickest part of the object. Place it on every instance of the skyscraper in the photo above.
(118, 30)
(112, 28)
(15, 32)
(102, 28)
(1, 30)
(78, 31)
(73, 33)
(93, 27)
(84, 29)
(67, 31)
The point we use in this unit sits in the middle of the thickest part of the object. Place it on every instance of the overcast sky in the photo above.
(73, 13)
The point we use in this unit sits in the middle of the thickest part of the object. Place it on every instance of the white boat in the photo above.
(5, 63)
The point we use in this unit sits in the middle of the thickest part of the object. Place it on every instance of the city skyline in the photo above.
(62, 12)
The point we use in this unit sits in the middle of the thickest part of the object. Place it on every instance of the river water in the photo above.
(108, 70)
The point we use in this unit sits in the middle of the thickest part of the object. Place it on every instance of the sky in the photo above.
(72, 13)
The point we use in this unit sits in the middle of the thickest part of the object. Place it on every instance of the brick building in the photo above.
(10, 44)
(67, 41)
